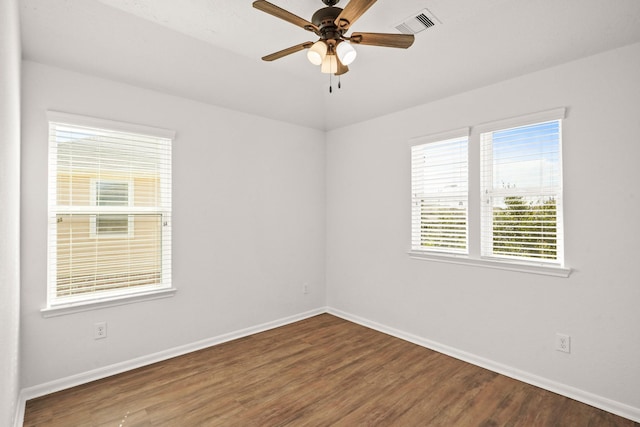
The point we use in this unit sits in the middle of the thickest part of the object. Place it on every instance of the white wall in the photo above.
(248, 226)
(10, 215)
(506, 317)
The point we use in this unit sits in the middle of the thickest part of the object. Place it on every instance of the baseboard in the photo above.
(18, 419)
(107, 371)
(591, 399)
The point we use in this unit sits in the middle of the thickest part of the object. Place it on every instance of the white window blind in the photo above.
(439, 188)
(109, 209)
(521, 182)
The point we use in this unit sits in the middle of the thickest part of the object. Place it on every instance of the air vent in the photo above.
(418, 22)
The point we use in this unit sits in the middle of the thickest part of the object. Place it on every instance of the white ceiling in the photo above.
(209, 50)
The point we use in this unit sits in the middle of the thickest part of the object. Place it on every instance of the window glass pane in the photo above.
(439, 193)
(527, 156)
(124, 263)
(525, 227)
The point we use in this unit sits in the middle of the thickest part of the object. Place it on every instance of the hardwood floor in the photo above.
(322, 371)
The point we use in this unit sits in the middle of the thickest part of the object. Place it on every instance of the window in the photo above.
(522, 193)
(107, 241)
(439, 193)
(111, 193)
(515, 221)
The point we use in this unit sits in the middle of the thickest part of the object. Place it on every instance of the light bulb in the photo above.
(329, 65)
(346, 53)
(317, 52)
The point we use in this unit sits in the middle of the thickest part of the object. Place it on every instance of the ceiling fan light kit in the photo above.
(329, 65)
(346, 53)
(317, 52)
(333, 52)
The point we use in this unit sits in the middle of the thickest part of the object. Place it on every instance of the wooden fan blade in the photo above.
(287, 51)
(402, 41)
(351, 12)
(278, 12)
(342, 69)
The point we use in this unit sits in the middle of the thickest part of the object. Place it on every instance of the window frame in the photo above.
(119, 296)
(474, 256)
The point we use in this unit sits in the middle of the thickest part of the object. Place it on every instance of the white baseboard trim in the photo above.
(117, 368)
(591, 399)
(18, 419)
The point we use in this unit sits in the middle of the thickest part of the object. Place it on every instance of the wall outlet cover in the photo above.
(563, 343)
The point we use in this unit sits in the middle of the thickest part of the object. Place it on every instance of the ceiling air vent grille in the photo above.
(418, 22)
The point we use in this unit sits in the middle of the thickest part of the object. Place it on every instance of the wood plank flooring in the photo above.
(322, 371)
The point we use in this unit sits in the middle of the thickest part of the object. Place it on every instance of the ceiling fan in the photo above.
(333, 51)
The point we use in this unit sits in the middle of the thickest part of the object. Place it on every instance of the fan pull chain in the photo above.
(331, 84)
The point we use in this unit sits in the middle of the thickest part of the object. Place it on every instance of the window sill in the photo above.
(77, 307)
(546, 270)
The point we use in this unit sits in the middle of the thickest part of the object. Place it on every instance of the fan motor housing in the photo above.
(325, 19)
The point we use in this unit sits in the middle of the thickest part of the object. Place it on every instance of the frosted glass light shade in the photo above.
(329, 65)
(346, 53)
(317, 53)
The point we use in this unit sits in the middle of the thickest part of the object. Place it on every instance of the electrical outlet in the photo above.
(99, 330)
(563, 343)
